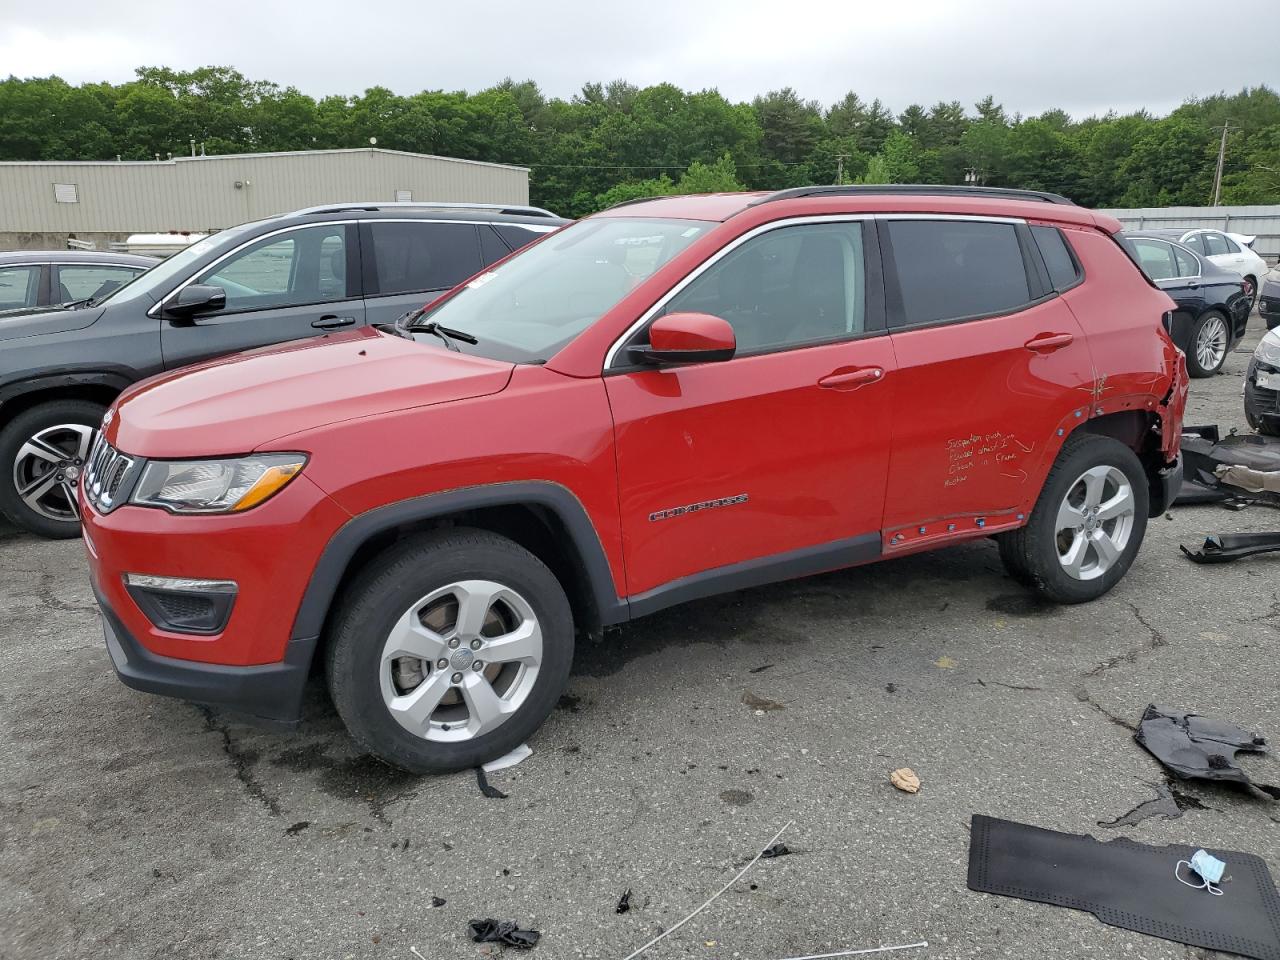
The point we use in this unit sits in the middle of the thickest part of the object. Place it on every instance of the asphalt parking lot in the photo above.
(137, 827)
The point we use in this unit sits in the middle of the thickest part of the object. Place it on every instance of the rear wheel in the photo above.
(42, 455)
(1209, 339)
(1251, 291)
(450, 650)
(1086, 526)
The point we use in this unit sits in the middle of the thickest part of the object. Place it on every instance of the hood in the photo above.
(52, 320)
(235, 404)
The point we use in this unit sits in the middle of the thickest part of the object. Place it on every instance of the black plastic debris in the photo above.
(506, 932)
(492, 792)
(777, 850)
(438, 901)
(1225, 547)
(625, 903)
(1129, 885)
(1195, 747)
(1204, 455)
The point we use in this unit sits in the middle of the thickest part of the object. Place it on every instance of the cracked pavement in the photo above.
(137, 827)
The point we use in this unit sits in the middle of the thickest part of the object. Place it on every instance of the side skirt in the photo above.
(755, 573)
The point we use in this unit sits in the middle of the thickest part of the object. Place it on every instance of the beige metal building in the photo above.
(43, 204)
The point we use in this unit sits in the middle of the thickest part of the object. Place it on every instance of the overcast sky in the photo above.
(1087, 56)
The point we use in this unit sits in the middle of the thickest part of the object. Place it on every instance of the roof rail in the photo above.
(627, 203)
(514, 209)
(914, 190)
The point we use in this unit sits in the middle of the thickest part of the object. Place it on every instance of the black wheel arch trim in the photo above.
(117, 379)
(326, 577)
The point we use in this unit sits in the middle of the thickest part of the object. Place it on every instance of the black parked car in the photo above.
(33, 279)
(298, 275)
(1212, 308)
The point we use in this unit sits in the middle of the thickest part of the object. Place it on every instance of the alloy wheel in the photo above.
(47, 469)
(1095, 522)
(1211, 343)
(461, 661)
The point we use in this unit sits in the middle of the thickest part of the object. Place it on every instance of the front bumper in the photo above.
(270, 691)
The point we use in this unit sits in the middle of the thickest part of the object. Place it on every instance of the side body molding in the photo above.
(326, 578)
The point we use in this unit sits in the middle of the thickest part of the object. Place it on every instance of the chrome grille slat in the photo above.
(107, 472)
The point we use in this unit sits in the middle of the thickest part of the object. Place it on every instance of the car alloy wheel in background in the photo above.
(48, 467)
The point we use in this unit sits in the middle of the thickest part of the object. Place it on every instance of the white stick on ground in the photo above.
(855, 953)
(666, 933)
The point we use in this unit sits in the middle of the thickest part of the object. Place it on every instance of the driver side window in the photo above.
(789, 286)
(298, 268)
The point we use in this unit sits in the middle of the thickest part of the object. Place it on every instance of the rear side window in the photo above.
(1064, 272)
(1156, 259)
(1215, 243)
(1232, 246)
(517, 236)
(1196, 243)
(78, 281)
(1188, 265)
(957, 269)
(18, 287)
(492, 248)
(413, 257)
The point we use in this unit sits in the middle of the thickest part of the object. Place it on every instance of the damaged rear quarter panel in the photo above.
(1137, 365)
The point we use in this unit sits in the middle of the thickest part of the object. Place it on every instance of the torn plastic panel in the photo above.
(506, 932)
(1195, 747)
(1208, 458)
(1173, 406)
(1225, 547)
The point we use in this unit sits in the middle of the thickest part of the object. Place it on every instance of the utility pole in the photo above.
(1222, 155)
(840, 159)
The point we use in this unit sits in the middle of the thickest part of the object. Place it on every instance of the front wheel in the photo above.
(42, 455)
(1087, 525)
(1209, 340)
(450, 650)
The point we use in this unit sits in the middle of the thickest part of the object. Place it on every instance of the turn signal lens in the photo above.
(267, 484)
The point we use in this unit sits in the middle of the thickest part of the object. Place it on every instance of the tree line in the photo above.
(617, 141)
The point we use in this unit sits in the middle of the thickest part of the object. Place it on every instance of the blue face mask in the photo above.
(1209, 868)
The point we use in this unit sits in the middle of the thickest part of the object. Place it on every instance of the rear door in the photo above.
(991, 362)
(293, 283)
(409, 262)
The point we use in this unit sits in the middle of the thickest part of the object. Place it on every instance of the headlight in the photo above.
(215, 486)
(1268, 350)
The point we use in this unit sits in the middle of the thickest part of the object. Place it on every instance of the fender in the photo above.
(342, 546)
(116, 379)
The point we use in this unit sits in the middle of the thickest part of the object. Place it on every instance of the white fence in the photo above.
(1262, 222)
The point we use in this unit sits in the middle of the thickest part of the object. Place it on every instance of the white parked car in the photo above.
(1231, 251)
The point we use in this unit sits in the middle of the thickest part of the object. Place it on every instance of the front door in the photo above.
(296, 283)
(771, 464)
(991, 364)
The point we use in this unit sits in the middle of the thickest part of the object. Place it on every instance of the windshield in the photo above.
(175, 267)
(535, 303)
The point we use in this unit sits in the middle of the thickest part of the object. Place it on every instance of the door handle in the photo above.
(331, 322)
(846, 379)
(1048, 342)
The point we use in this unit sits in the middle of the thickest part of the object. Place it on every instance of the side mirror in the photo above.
(196, 298)
(680, 338)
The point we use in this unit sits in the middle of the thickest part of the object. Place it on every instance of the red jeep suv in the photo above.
(670, 399)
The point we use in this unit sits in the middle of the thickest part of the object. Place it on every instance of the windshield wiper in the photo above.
(76, 304)
(447, 334)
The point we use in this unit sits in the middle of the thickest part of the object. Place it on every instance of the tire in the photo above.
(1033, 554)
(437, 576)
(49, 508)
(1217, 322)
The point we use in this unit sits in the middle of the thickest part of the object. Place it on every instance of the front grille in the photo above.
(105, 475)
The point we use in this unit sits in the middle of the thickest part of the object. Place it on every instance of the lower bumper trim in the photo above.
(1166, 490)
(271, 691)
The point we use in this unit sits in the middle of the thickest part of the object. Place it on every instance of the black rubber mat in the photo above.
(1129, 885)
